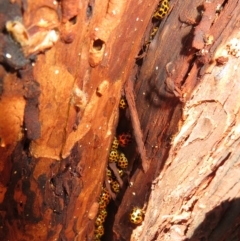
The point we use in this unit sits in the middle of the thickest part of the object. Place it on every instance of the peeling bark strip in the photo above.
(136, 124)
(203, 27)
(116, 173)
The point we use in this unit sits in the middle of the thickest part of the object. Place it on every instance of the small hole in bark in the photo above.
(73, 20)
(98, 44)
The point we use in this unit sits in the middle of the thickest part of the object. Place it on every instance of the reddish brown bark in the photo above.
(59, 115)
(184, 192)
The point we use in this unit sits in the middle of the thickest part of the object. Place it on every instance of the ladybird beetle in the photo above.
(122, 161)
(120, 172)
(151, 37)
(162, 10)
(153, 33)
(123, 103)
(113, 156)
(115, 186)
(109, 173)
(115, 143)
(102, 204)
(101, 217)
(136, 215)
(109, 179)
(97, 238)
(99, 231)
(124, 139)
(99, 220)
(103, 213)
(105, 196)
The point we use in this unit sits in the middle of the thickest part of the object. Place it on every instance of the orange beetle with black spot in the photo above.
(105, 196)
(115, 186)
(123, 103)
(115, 143)
(124, 139)
(99, 231)
(122, 161)
(113, 156)
(162, 10)
(136, 215)
(101, 217)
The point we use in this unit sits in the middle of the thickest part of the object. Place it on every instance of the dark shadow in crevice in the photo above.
(220, 224)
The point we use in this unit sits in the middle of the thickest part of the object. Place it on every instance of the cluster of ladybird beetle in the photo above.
(117, 158)
(117, 161)
(159, 14)
(102, 214)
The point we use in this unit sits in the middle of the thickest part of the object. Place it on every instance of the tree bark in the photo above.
(59, 114)
(191, 191)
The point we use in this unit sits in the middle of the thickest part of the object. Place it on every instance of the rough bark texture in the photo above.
(61, 80)
(195, 197)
